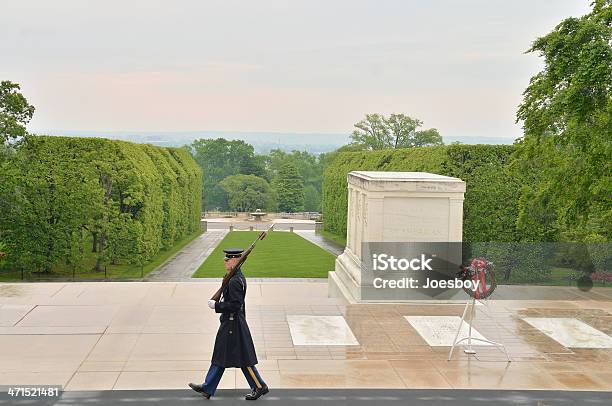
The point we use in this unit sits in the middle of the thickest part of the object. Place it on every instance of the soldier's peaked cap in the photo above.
(233, 252)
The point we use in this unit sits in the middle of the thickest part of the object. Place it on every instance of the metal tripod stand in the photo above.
(470, 306)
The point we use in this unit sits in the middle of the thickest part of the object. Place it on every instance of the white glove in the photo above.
(211, 304)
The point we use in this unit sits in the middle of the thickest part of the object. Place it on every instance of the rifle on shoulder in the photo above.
(241, 260)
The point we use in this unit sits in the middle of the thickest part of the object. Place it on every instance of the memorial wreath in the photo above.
(482, 271)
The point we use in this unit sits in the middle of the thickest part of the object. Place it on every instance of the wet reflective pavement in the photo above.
(159, 335)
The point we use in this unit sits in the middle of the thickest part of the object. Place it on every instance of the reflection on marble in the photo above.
(439, 331)
(570, 332)
(91, 336)
(320, 330)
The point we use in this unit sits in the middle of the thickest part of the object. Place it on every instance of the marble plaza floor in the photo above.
(160, 335)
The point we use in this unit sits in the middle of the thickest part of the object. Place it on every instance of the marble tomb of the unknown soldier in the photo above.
(395, 207)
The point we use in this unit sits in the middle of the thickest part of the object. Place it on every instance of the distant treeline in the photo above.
(237, 179)
(64, 200)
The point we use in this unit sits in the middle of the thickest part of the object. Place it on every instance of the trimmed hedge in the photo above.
(490, 207)
(66, 197)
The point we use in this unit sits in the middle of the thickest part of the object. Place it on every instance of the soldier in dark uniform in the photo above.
(233, 346)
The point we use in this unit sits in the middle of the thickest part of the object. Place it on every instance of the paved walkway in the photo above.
(188, 260)
(160, 335)
(322, 242)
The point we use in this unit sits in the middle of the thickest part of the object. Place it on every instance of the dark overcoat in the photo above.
(234, 346)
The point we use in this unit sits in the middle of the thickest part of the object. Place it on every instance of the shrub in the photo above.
(124, 201)
(490, 206)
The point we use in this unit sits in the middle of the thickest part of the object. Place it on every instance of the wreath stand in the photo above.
(478, 270)
(470, 307)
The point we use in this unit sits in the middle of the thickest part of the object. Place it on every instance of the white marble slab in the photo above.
(320, 330)
(439, 331)
(570, 332)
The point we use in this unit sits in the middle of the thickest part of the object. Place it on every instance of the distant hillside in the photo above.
(261, 141)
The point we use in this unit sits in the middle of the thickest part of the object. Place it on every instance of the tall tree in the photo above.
(248, 193)
(289, 187)
(220, 158)
(310, 166)
(427, 138)
(396, 131)
(253, 165)
(402, 129)
(312, 199)
(15, 112)
(567, 119)
(372, 132)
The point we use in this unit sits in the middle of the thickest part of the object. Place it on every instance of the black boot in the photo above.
(257, 393)
(199, 389)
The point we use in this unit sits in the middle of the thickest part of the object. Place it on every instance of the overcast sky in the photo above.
(287, 65)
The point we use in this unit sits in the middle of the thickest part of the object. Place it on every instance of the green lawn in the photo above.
(114, 272)
(280, 255)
